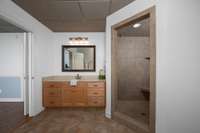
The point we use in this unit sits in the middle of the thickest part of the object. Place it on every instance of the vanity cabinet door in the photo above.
(73, 96)
(52, 97)
(66, 97)
(78, 96)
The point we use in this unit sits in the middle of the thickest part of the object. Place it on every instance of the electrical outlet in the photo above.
(0, 91)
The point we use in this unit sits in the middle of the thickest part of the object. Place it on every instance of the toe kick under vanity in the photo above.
(87, 92)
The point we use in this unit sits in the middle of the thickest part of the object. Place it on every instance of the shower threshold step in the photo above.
(131, 123)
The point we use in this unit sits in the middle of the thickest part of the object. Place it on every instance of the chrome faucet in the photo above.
(77, 77)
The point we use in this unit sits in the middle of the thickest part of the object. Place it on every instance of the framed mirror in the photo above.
(78, 58)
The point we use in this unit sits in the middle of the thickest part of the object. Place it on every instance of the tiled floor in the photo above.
(11, 115)
(72, 121)
(138, 110)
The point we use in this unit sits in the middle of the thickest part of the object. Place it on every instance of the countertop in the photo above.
(68, 78)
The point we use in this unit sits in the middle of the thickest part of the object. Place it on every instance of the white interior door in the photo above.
(28, 74)
(25, 75)
(78, 61)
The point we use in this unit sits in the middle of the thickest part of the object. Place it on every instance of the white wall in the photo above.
(96, 38)
(42, 47)
(178, 64)
(11, 54)
(11, 66)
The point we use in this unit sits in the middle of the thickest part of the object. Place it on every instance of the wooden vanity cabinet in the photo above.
(52, 94)
(74, 95)
(85, 94)
(96, 94)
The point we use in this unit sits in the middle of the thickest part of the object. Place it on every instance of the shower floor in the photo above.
(138, 110)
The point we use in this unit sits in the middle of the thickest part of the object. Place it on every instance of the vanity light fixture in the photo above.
(78, 40)
(136, 25)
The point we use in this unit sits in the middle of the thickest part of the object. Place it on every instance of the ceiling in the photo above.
(143, 30)
(6, 27)
(72, 15)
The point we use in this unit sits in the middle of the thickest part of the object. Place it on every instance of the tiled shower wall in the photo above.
(133, 68)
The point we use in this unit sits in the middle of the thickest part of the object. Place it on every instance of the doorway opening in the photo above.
(133, 71)
(15, 71)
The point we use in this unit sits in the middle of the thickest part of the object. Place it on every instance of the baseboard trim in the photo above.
(108, 115)
(11, 100)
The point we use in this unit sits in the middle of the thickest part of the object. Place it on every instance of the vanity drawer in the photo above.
(52, 92)
(96, 92)
(96, 85)
(96, 101)
(52, 102)
(52, 84)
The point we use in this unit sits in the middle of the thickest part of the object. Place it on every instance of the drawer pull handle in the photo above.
(52, 93)
(51, 85)
(96, 93)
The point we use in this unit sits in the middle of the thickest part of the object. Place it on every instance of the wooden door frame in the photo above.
(150, 13)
